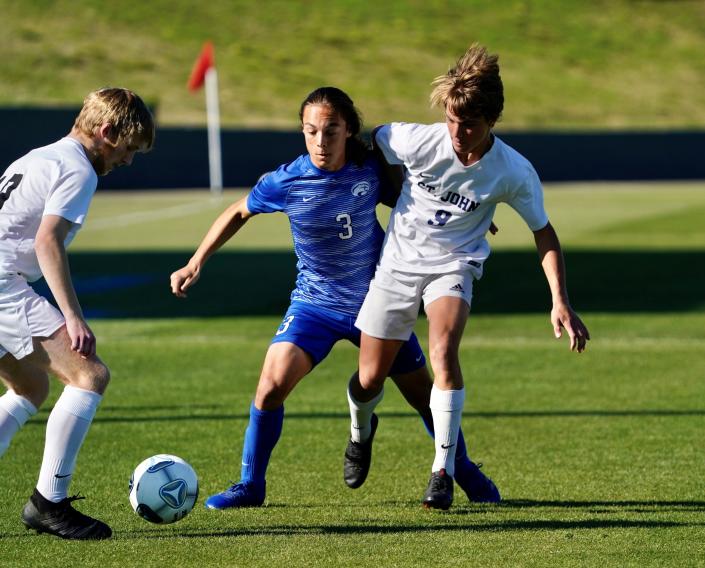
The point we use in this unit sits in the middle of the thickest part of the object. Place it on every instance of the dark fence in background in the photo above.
(180, 157)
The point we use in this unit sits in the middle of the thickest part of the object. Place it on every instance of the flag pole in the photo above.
(213, 117)
(204, 72)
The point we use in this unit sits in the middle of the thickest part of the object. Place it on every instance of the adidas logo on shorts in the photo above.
(457, 288)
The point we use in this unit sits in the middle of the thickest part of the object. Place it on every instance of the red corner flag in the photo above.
(205, 61)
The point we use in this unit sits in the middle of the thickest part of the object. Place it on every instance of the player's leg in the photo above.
(416, 388)
(386, 320)
(304, 338)
(284, 366)
(411, 376)
(363, 398)
(447, 306)
(49, 508)
(27, 388)
(27, 384)
(366, 387)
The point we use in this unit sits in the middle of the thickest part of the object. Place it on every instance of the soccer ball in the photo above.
(163, 489)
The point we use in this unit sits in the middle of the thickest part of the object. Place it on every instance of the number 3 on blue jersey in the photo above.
(347, 225)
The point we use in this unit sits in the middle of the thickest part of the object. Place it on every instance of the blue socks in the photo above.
(261, 436)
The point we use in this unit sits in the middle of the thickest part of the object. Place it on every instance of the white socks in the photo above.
(66, 429)
(15, 410)
(361, 416)
(447, 411)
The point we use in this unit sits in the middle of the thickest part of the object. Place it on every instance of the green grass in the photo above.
(565, 63)
(598, 456)
(650, 215)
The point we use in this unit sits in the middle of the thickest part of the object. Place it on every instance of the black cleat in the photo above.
(358, 456)
(439, 493)
(61, 519)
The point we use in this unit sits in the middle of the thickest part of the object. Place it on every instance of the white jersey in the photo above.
(446, 208)
(53, 180)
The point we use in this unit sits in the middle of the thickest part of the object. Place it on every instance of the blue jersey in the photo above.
(337, 238)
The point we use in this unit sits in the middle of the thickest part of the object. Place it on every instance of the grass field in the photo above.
(598, 456)
(565, 63)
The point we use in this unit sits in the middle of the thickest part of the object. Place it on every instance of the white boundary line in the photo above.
(138, 217)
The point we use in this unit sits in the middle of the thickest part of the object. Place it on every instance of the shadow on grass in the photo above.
(105, 417)
(158, 533)
(641, 506)
(136, 284)
(419, 528)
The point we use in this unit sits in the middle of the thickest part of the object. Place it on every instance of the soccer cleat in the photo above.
(358, 456)
(61, 519)
(236, 496)
(439, 493)
(477, 486)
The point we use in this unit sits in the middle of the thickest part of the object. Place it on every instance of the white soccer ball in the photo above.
(163, 489)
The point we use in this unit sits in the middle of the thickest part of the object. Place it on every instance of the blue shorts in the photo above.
(316, 330)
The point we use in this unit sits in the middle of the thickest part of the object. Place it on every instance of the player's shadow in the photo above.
(606, 505)
(136, 284)
(199, 413)
(414, 528)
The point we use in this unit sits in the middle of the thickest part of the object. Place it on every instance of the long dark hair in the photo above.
(355, 148)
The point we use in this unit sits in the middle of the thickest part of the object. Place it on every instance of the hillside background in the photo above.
(566, 64)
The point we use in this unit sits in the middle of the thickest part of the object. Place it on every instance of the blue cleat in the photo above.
(477, 486)
(237, 495)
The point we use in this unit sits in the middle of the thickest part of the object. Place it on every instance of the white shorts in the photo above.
(24, 314)
(392, 304)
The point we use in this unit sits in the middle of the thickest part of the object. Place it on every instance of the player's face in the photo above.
(109, 152)
(111, 156)
(471, 136)
(326, 133)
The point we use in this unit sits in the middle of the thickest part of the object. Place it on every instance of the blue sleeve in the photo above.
(269, 194)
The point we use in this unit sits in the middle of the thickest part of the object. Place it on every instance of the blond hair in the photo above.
(123, 110)
(473, 87)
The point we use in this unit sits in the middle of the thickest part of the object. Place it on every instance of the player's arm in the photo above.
(562, 315)
(392, 175)
(51, 254)
(223, 228)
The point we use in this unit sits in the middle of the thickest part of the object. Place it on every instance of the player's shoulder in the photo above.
(61, 160)
(514, 163)
(288, 172)
(414, 131)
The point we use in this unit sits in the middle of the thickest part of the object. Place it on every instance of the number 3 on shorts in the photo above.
(285, 325)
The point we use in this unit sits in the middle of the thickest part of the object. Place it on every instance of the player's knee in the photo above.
(444, 357)
(93, 378)
(372, 377)
(270, 394)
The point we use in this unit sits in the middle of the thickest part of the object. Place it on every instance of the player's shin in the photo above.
(461, 452)
(67, 427)
(361, 415)
(261, 436)
(15, 410)
(447, 410)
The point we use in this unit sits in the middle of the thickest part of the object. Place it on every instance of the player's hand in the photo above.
(563, 316)
(183, 279)
(82, 338)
